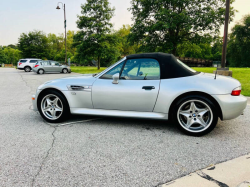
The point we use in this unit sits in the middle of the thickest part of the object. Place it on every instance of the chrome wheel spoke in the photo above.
(47, 108)
(201, 121)
(58, 109)
(185, 113)
(201, 112)
(49, 102)
(190, 122)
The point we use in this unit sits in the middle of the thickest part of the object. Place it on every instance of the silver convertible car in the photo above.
(152, 85)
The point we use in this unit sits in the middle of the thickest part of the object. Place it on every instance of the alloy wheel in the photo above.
(195, 116)
(52, 107)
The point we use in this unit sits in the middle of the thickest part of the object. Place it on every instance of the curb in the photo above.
(234, 172)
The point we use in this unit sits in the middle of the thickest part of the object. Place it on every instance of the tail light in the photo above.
(19, 64)
(236, 91)
(36, 66)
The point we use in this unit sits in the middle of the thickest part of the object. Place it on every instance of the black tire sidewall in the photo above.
(39, 71)
(66, 110)
(29, 69)
(201, 98)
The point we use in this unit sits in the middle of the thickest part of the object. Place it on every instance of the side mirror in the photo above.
(116, 78)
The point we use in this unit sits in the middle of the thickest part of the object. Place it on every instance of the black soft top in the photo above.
(169, 66)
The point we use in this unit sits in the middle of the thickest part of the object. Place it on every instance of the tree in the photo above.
(3, 58)
(124, 46)
(239, 44)
(12, 55)
(91, 41)
(34, 45)
(161, 25)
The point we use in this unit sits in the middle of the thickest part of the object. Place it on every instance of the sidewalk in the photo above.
(233, 173)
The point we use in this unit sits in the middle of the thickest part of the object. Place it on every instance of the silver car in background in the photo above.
(45, 66)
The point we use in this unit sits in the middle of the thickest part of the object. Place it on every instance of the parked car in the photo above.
(44, 66)
(153, 86)
(26, 64)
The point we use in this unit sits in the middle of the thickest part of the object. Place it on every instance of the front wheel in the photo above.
(65, 70)
(53, 106)
(195, 115)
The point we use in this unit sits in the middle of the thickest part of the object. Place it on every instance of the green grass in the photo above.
(86, 69)
(241, 74)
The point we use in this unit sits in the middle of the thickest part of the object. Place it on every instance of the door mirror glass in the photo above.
(116, 78)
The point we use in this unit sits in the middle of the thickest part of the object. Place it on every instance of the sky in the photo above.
(22, 16)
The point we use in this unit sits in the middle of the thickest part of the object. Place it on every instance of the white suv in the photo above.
(26, 64)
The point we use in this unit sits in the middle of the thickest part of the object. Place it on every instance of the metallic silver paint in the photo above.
(127, 98)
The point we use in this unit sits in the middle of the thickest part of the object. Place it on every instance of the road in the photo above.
(97, 151)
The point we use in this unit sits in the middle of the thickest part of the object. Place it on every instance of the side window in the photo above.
(53, 63)
(141, 69)
(57, 64)
(23, 61)
(33, 61)
(114, 70)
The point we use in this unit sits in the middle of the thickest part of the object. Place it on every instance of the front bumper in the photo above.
(231, 106)
(34, 103)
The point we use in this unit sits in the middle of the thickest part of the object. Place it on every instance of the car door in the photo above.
(137, 89)
(56, 66)
(46, 66)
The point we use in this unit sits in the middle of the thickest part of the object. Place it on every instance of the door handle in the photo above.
(148, 87)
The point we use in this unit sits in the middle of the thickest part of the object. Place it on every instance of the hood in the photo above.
(61, 84)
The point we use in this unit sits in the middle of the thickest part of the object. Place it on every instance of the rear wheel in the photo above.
(27, 69)
(40, 71)
(195, 115)
(53, 106)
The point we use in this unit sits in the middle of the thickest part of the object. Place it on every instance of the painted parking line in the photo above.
(73, 122)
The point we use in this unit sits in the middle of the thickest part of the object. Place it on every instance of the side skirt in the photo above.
(117, 113)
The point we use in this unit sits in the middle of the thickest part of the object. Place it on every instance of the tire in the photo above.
(52, 110)
(195, 115)
(40, 71)
(27, 69)
(64, 70)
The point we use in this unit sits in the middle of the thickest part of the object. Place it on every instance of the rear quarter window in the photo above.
(23, 61)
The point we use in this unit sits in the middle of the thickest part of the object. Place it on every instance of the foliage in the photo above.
(124, 46)
(163, 24)
(34, 45)
(3, 58)
(93, 40)
(239, 44)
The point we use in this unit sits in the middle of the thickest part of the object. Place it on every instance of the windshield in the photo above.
(95, 75)
(187, 67)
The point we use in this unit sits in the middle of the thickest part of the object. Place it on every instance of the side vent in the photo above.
(79, 88)
(75, 87)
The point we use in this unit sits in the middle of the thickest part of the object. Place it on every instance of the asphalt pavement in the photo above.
(97, 151)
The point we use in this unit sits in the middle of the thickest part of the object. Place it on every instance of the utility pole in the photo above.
(224, 50)
(58, 8)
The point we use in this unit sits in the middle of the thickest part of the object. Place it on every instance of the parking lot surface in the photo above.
(97, 151)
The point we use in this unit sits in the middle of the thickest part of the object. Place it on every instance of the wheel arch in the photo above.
(27, 66)
(46, 89)
(170, 114)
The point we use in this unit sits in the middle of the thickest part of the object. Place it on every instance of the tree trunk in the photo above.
(174, 49)
(98, 63)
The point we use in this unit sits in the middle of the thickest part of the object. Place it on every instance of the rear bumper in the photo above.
(34, 69)
(20, 68)
(231, 106)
